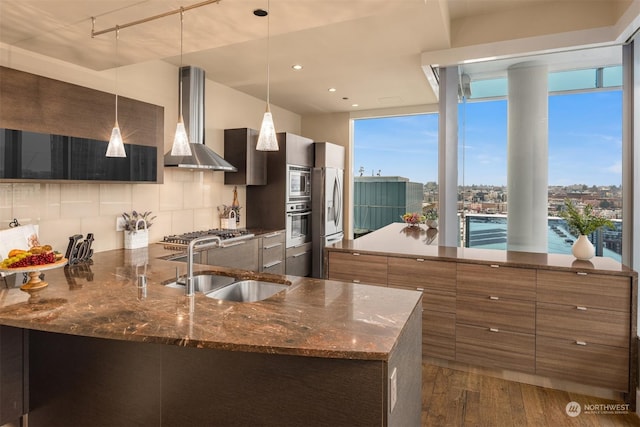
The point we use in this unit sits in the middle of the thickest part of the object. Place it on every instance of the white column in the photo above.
(527, 158)
(448, 225)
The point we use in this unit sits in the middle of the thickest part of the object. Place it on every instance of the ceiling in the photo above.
(370, 51)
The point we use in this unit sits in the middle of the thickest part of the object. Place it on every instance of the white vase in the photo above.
(432, 223)
(583, 248)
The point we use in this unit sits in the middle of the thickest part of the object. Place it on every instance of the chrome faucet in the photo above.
(200, 242)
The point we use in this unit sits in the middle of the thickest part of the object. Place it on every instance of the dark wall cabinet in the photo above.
(64, 129)
(266, 204)
(38, 156)
(240, 151)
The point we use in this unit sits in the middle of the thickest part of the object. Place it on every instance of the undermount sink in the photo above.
(203, 283)
(247, 291)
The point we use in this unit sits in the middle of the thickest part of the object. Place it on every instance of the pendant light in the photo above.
(267, 140)
(116, 146)
(181, 140)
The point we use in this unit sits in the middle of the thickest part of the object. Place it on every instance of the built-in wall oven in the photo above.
(298, 223)
(298, 184)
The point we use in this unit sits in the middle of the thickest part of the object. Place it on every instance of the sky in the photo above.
(585, 142)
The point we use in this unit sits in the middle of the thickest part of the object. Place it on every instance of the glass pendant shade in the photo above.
(116, 146)
(267, 140)
(181, 141)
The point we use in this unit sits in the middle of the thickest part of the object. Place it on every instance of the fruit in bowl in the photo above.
(414, 218)
(37, 255)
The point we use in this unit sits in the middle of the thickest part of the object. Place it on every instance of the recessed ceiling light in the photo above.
(260, 12)
(297, 67)
(354, 105)
(332, 89)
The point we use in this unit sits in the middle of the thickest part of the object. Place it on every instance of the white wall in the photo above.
(186, 201)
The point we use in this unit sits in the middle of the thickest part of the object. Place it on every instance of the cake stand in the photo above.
(35, 284)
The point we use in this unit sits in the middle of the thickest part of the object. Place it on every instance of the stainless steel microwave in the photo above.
(298, 183)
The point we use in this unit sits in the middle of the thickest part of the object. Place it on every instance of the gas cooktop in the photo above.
(224, 234)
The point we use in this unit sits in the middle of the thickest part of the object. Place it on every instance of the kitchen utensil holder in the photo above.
(139, 238)
(229, 223)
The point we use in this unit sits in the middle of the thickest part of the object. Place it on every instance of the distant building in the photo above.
(382, 200)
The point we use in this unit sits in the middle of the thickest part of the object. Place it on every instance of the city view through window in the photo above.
(394, 156)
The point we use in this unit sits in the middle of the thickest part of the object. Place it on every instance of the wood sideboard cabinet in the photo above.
(552, 321)
(583, 323)
(496, 316)
(436, 280)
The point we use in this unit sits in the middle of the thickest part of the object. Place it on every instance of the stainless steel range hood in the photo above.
(202, 157)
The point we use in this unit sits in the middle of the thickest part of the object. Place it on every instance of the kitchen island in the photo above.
(99, 350)
(545, 319)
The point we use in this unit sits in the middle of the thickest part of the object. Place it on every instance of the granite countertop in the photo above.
(399, 240)
(312, 317)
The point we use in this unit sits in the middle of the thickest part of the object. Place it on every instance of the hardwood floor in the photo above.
(457, 398)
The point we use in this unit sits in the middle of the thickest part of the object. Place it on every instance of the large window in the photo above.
(585, 155)
(395, 168)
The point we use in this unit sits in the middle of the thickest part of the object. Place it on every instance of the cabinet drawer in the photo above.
(358, 268)
(275, 267)
(501, 313)
(502, 350)
(298, 260)
(418, 272)
(271, 238)
(594, 364)
(272, 252)
(439, 335)
(499, 281)
(585, 289)
(590, 325)
(433, 300)
(242, 255)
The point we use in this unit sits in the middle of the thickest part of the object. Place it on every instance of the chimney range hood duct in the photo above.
(202, 157)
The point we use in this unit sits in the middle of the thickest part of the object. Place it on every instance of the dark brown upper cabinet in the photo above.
(240, 151)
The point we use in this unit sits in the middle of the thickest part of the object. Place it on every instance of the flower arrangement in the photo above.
(132, 220)
(414, 218)
(431, 214)
(585, 222)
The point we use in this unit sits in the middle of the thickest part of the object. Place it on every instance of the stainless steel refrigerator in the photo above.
(327, 200)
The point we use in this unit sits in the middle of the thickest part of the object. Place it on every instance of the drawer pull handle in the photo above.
(494, 330)
(271, 264)
(228, 245)
(494, 266)
(581, 343)
(494, 298)
(355, 254)
(275, 245)
(356, 281)
(271, 235)
(420, 259)
(581, 273)
(579, 307)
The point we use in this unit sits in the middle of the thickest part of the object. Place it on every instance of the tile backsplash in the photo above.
(186, 201)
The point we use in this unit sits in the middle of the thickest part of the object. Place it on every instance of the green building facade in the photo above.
(381, 200)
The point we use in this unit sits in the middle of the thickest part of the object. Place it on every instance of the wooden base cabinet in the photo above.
(549, 321)
(437, 281)
(358, 268)
(495, 348)
(583, 327)
(496, 316)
